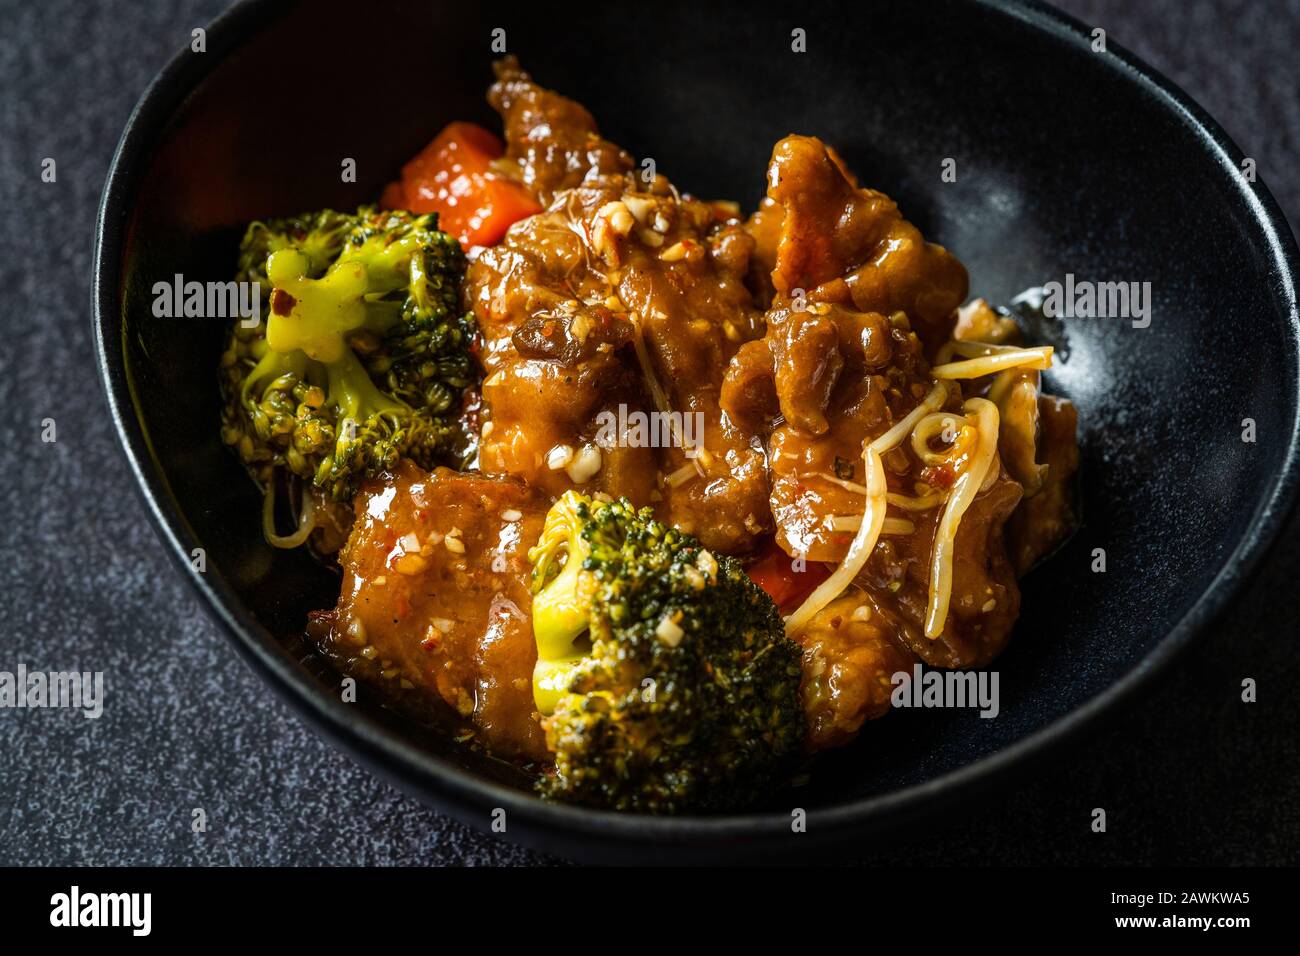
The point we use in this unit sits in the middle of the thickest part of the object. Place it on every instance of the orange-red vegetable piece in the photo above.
(774, 572)
(452, 176)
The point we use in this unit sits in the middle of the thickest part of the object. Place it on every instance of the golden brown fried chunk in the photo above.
(850, 655)
(985, 595)
(623, 299)
(557, 360)
(552, 139)
(435, 598)
(1045, 520)
(842, 243)
(1036, 441)
(860, 301)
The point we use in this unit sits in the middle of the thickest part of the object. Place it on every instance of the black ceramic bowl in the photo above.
(1068, 161)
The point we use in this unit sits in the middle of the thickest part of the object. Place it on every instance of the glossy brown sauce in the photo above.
(435, 598)
(795, 336)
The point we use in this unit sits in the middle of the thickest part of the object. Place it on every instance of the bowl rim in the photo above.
(456, 790)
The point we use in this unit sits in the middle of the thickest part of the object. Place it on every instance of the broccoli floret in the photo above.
(664, 675)
(363, 353)
(319, 235)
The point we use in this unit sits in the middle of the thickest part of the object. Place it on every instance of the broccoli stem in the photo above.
(354, 392)
(270, 367)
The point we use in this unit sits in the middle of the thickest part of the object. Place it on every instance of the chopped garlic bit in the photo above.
(861, 613)
(580, 328)
(511, 514)
(410, 564)
(559, 457)
(707, 563)
(674, 253)
(989, 605)
(612, 221)
(668, 630)
(410, 542)
(681, 475)
(618, 216)
(585, 464)
(357, 630)
(638, 206)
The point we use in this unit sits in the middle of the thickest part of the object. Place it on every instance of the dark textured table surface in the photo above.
(1189, 775)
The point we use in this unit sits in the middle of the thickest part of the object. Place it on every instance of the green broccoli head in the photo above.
(363, 354)
(320, 235)
(664, 675)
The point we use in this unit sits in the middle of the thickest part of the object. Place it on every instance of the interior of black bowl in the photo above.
(1066, 162)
